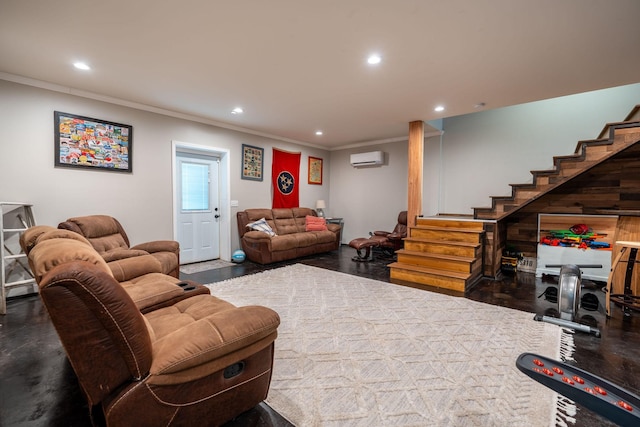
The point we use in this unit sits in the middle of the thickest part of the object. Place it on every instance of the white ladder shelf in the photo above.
(15, 218)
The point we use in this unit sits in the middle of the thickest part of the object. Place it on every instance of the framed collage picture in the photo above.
(315, 170)
(86, 143)
(252, 162)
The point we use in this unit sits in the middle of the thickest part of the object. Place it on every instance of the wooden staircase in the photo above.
(614, 138)
(454, 253)
(441, 252)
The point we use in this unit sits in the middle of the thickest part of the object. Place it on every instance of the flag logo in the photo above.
(286, 182)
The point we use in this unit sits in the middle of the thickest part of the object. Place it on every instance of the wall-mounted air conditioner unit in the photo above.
(367, 159)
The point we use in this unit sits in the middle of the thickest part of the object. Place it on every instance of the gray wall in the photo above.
(368, 198)
(142, 201)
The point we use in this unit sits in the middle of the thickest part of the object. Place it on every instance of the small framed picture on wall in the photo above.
(315, 170)
(252, 162)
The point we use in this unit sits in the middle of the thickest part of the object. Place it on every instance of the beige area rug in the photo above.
(358, 352)
(204, 266)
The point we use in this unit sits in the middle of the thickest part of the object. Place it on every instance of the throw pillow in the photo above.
(313, 223)
(261, 225)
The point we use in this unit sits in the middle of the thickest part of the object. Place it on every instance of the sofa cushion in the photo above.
(314, 223)
(103, 231)
(300, 215)
(151, 289)
(96, 225)
(54, 233)
(284, 243)
(324, 236)
(107, 243)
(50, 252)
(29, 238)
(261, 225)
(305, 239)
(284, 221)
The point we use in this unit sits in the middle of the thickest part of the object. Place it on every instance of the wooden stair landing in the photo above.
(439, 252)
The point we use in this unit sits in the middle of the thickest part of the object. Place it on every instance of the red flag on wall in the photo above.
(285, 171)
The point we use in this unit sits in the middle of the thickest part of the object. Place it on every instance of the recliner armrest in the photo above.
(122, 253)
(396, 236)
(129, 268)
(159, 246)
(381, 233)
(257, 235)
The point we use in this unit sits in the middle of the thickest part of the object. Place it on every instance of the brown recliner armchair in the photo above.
(140, 276)
(201, 361)
(388, 241)
(108, 237)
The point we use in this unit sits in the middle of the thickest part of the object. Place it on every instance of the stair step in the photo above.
(442, 247)
(458, 223)
(430, 276)
(446, 233)
(439, 261)
(591, 144)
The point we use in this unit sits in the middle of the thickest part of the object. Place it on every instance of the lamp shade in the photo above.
(320, 204)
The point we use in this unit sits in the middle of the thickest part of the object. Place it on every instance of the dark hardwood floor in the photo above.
(39, 388)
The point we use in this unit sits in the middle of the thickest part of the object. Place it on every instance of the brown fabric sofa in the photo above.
(291, 240)
(108, 237)
(201, 361)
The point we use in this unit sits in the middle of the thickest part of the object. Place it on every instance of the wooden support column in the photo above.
(416, 153)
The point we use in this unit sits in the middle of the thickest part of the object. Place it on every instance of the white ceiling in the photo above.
(297, 66)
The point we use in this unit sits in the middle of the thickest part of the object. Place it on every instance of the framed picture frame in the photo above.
(92, 144)
(315, 170)
(252, 162)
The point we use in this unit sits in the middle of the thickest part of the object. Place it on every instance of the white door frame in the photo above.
(224, 190)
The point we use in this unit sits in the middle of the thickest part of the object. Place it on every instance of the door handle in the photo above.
(216, 216)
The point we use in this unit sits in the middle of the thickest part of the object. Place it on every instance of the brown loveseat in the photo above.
(291, 240)
(201, 361)
(108, 237)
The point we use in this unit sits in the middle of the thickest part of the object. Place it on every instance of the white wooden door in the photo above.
(198, 210)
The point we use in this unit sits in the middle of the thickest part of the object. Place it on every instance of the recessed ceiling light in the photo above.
(319, 132)
(439, 108)
(81, 66)
(237, 110)
(374, 59)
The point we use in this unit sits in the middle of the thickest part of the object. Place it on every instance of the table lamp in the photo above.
(320, 206)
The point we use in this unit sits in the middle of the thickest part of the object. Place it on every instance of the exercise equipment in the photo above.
(568, 299)
(599, 395)
(627, 299)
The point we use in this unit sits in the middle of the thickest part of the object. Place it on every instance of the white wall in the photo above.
(368, 198)
(142, 201)
(486, 151)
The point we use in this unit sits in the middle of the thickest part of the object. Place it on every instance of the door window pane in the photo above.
(195, 186)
